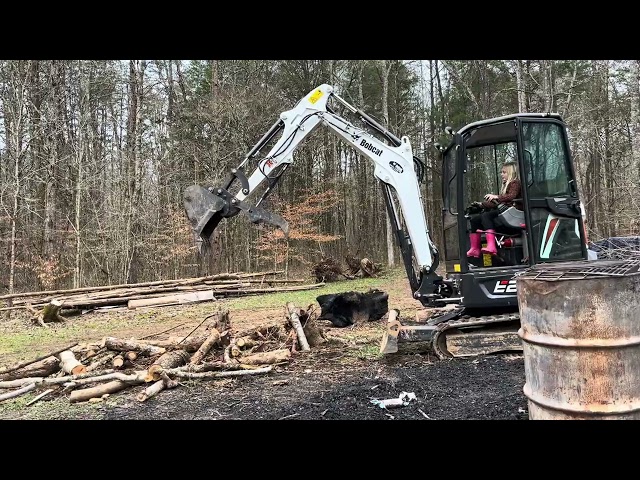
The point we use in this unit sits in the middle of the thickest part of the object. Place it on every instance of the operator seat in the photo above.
(514, 219)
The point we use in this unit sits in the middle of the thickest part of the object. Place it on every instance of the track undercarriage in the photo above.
(456, 333)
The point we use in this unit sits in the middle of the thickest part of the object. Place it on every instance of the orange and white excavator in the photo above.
(478, 293)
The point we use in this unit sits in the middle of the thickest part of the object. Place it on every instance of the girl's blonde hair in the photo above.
(512, 174)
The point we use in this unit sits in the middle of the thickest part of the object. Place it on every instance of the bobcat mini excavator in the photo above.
(477, 310)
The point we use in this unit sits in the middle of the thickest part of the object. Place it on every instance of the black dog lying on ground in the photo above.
(348, 308)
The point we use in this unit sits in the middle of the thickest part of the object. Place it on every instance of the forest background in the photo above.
(95, 156)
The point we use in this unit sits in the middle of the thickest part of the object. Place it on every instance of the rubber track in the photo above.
(439, 338)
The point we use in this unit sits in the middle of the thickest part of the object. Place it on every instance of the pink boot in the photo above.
(474, 251)
(491, 243)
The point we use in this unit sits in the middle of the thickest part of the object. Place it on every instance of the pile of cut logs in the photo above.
(48, 306)
(91, 372)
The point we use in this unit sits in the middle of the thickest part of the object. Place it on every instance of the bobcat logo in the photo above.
(396, 167)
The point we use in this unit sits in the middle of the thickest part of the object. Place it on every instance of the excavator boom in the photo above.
(395, 166)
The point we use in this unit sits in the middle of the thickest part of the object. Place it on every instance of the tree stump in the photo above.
(49, 313)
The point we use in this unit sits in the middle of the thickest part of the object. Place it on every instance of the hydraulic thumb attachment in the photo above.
(206, 207)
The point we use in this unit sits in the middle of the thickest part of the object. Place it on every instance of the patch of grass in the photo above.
(35, 342)
(367, 352)
(15, 404)
(54, 409)
(304, 298)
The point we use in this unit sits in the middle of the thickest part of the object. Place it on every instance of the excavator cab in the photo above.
(548, 226)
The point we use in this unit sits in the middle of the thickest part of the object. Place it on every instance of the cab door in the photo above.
(552, 206)
(450, 218)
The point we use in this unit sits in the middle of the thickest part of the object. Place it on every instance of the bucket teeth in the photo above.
(259, 215)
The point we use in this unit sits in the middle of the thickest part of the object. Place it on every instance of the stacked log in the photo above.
(46, 306)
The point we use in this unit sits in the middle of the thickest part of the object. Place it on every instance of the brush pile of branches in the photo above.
(362, 267)
(93, 371)
(327, 270)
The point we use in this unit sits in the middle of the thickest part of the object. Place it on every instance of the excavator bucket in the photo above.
(205, 208)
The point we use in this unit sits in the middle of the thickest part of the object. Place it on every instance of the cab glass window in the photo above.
(545, 160)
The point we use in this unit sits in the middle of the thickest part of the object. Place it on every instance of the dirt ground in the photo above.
(339, 381)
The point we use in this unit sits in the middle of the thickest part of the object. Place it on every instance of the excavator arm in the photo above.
(395, 166)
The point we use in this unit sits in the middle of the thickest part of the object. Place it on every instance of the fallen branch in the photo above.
(52, 381)
(42, 357)
(295, 323)
(120, 345)
(210, 375)
(123, 377)
(38, 397)
(43, 368)
(262, 358)
(213, 366)
(101, 361)
(189, 344)
(123, 381)
(160, 333)
(92, 353)
(151, 391)
(213, 339)
(17, 393)
(157, 387)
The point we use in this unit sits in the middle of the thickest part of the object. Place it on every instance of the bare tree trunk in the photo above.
(14, 216)
(56, 86)
(14, 110)
(136, 77)
(548, 85)
(78, 192)
(364, 200)
(443, 120)
(215, 261)
(567, 109)
(82, 155)
(521, 84)
(595, 175)
(608, 169)
(527, 96)
(385, 67)
(635, 114)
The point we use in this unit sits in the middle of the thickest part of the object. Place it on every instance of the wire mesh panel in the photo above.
(583, 270)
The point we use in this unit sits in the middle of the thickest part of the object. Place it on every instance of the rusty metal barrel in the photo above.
(580, 328)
